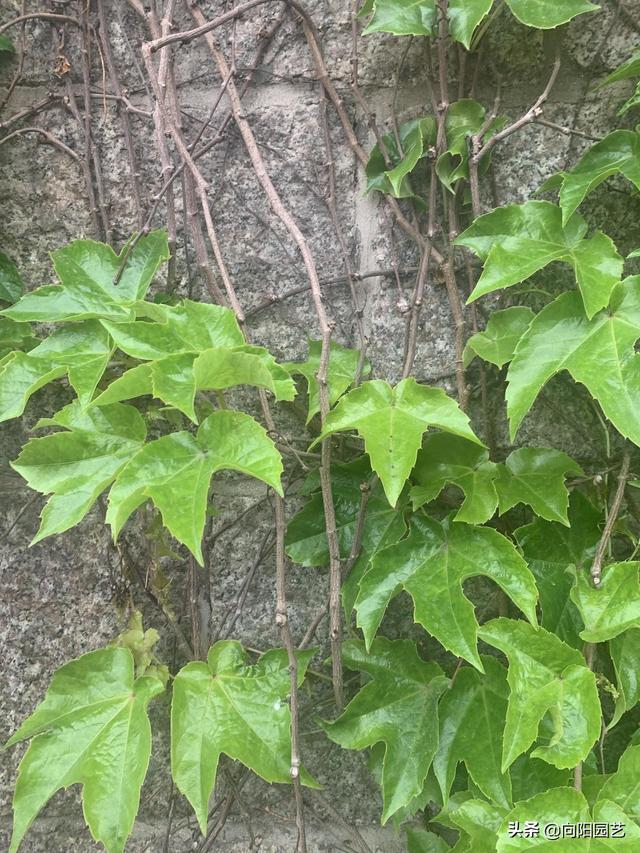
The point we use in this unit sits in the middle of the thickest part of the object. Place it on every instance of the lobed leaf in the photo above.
(497, 343)
(625, 656)
(611, 608)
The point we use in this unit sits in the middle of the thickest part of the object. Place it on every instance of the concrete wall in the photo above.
(68, 594)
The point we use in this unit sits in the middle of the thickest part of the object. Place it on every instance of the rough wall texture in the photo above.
(65, 595)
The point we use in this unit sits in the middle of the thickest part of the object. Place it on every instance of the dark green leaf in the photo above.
(388, 170)
(11, 285)
(399, 707)
(431, 564)
(15, 336)
(464, 16)
(623, 787)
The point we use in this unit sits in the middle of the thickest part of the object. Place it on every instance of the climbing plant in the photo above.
(510, 711)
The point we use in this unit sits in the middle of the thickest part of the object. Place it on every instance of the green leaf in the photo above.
(464, 118)
(478, 821)
(431, 564)
(617, 153)
(464, 16)
(535, 476)
(75, 467)
(531, 776)
(516, 241)
(227, 706)
(85, 348)
(561, 807)
(628, 69)
(625, 655)
(392, 422)
(398, 707)
(446, 459)
(21, 375)
(497, 343)
(402, 17)
(548, 14)
(11, 284)
(421, 841)
(341, 372)
(472, 715)
(599, 353)
(613, 607)
(633, 101)
(553, 696)
(15, 336)
(415, 137)
(216, 369)
(91, 729)
(6, 45)
(551, 549)
(174, 472)
(86, 270)
(623, 787)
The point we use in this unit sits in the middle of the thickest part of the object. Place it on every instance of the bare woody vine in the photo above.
(528, 710)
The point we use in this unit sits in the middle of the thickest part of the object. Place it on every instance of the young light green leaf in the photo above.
(431, 564)
(551, 549)
(562, 807)
(11, 284)
(388, 171)
(75, 467)
(85, 349)
(625, 656)
(472, 715)
(227, 706)
(217, 369)
(392, 422)
(549, 14)
(86, 270)
(402, 17)
(91, 729)
(535, 476)
(599, 353)
(421, 841)
(464, 16)
(614, 606)
(464, 118)
(623, 787)
(553, 695)
(516, 241)
(497, 343)
(448, 458)
(478, 822)
(21, 375)
(341, 372)
(175, 471)
(398, 707)
(617, 153)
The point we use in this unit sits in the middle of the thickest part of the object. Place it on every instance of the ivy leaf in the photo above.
(548, 14)
(398, 707)
(472, 715)
(75, 467)
(421, 841)
(531, 776)
(535, 476)
(497, 343)
(464, 16)
(188, 327)
(14, 336)
(91, 728)
(625, 655)
(613, 607)
(85, 349)
(6, 45)
(516, 241)
(617, 153)
(633, 101)
(229, 706)
(11, 284)
(478, 822)
(341, 372)
(446, 459)
(564, 807)
(402, 18)
(599, 353)
(86, 270)
(21, 375)
(551, 549)
(623, 787)
(628, 69)
(431, 564)
(553, 696)
(464, 118)
(415, 138)
(174, 472)
(392, 422)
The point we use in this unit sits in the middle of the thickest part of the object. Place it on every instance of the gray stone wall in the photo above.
(67, 595)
